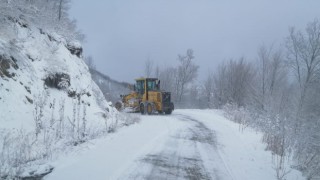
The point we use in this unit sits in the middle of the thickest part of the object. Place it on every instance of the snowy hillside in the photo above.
(42, 69)
(110, 88)
(48, 99)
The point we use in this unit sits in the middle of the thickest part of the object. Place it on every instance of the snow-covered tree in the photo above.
(208, 90)
(233, 83)
(51, 16)
(304, 58)
(187, 71)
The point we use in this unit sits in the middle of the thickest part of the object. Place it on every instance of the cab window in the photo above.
(151, 85)
(140, 87)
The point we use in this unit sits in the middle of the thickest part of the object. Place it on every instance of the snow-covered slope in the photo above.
(110, 88)
(42, 70)
(48, 100)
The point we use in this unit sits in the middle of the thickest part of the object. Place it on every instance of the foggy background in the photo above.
(122, 34)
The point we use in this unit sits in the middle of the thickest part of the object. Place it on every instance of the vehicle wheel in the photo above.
(142, 110)
(149, 108)
(169, 111)
(171, 106)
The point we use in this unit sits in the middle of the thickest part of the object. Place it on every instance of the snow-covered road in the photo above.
(189, 144)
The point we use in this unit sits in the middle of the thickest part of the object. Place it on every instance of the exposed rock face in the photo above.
(58, 80)
(110, 88)
(5, 64)
(75, 50)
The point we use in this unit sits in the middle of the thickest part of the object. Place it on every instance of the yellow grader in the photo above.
(146, 98)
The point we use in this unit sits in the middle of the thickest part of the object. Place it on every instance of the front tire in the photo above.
(149, 108)
(142, 110)
(169, 111)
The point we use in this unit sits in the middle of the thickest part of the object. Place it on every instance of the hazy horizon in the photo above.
(122, 35)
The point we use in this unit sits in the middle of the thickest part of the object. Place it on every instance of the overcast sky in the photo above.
(122, 34)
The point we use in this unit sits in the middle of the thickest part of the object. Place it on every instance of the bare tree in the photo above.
(220, 86)
(240, 75)
(49, 16)
(233, 83)
(148, 67)
(166, 76)
(304, 56)
(60, 9)
(157, 72)
(187, 72)
(271, 76)
(208, 87)
(264, 58)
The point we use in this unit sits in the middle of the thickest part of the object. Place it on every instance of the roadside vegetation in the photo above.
(278, 93)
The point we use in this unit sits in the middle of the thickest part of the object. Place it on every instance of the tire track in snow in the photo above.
(215, 145)
(190, 153)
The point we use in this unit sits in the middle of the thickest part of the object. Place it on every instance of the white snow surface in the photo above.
(37, 57)
(189, 144)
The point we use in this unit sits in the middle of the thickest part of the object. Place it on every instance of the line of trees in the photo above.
(281, 93)
(49, 15)
(176, 79)
(278, 93)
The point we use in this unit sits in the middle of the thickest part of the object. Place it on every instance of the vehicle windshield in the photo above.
(140, 87)
(151, 85)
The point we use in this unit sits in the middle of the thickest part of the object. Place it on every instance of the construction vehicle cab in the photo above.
(147, 84)
(147, 98)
